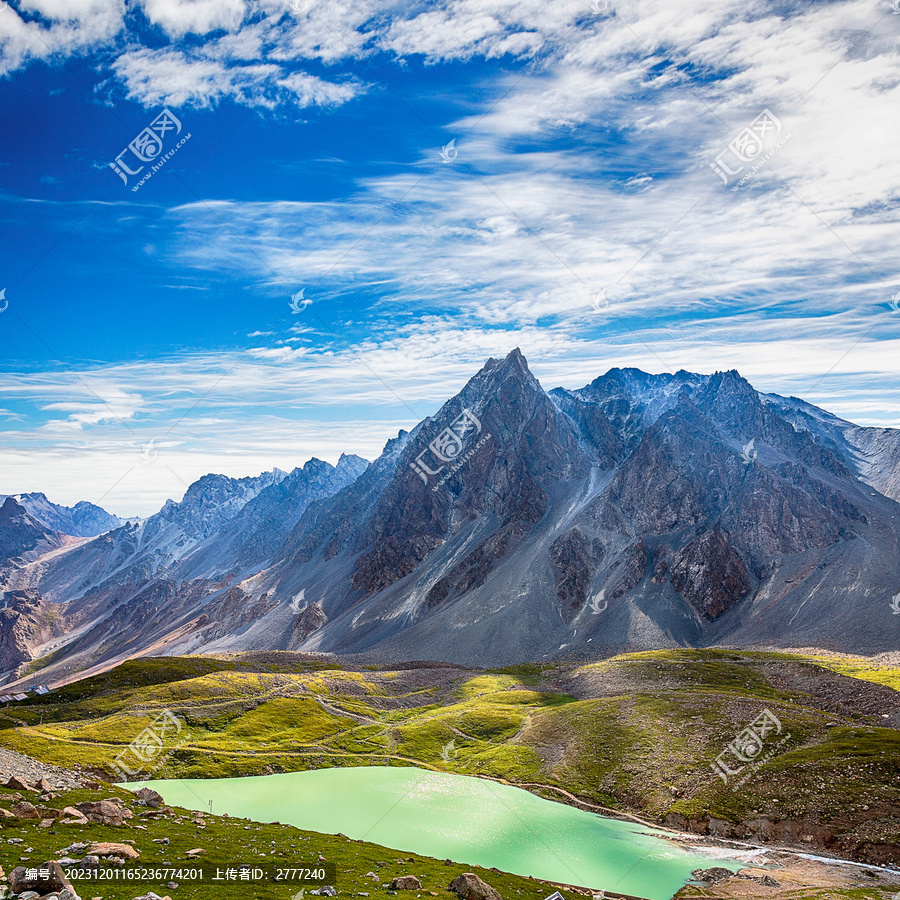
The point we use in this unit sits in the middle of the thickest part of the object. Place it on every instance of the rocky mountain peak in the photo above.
(517, 524)
(730, 398)
(508, 375)
(21, 534)
(352, 464)
(11, 509)
(514, 360)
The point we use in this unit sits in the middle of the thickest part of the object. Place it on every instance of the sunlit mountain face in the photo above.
(639, 511)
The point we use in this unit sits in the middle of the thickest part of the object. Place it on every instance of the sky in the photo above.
(356, 204)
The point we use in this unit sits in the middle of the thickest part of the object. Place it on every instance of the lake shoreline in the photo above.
(477, 821)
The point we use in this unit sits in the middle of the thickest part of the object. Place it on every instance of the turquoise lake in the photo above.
(468, 820)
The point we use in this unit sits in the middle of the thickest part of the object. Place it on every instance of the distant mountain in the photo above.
(130, 585)
(81, 520)
(517, 524)
(26, 622)
(22, 537)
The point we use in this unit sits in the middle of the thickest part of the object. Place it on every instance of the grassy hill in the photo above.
(637, 733)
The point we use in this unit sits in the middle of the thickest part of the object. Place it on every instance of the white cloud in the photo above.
(42, 29)
(593, 173)
(178, 17)
(488, 28)
(171, 77)
(312, 91)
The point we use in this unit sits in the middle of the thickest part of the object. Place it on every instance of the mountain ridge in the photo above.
(516, 523)
(84, 519)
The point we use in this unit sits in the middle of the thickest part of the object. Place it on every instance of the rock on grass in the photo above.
(54, 882)
(469, 886)
(406, 883)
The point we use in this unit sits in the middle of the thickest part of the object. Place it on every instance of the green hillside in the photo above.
(638, 733)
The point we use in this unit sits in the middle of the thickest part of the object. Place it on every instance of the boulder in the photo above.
(150, 797)
(54, 882)
(105, 812)
(48, 812)
(469, 886)
(25, 810)
(16, 784)
(77, 847)
(406, 883)
(72, 816)
(126, 851)
(43, 786)
(715, 875)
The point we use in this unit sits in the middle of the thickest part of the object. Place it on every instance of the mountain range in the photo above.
(81, 520)
(515, 525)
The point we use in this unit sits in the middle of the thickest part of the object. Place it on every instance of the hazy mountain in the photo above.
(22, 537)
(127, 588)
(639, 511)
(81, 520)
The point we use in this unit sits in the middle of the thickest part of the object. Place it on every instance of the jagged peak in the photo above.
(514, 363)
(728, 376)
(350, 462)
(346, 458)
(494, 373)
(729, 382)
(33, 495)
(11, 506)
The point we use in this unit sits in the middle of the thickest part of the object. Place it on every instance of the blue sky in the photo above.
(577, 216)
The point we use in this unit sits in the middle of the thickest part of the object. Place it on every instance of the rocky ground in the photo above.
(30, 771)
(790, 877)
